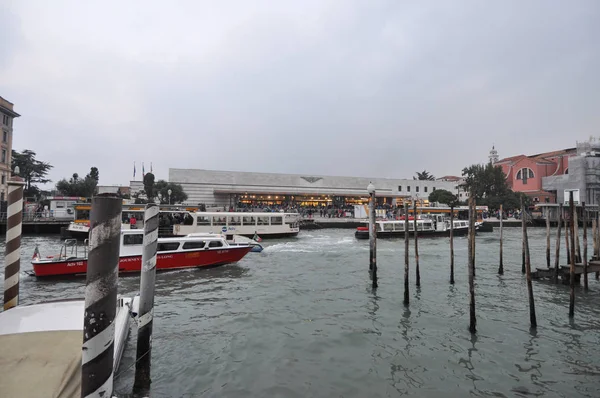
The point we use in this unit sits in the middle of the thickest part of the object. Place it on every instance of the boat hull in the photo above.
(364, 234)
(131, 264)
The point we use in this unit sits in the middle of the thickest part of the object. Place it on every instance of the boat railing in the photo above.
(71, 248)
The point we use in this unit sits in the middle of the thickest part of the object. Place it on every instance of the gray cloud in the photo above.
(329, 87)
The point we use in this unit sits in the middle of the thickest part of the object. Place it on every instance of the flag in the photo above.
(256, 238)
(36, 253)
(134, 170)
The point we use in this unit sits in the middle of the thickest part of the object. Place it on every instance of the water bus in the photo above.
(248, 224)
(173, 253)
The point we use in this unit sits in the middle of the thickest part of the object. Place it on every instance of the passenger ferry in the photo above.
(265, 225)
(434, 226)
(173, 253)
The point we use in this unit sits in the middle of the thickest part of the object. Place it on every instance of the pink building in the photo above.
(525, 173)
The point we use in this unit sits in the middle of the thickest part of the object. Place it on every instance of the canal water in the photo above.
(301, 320)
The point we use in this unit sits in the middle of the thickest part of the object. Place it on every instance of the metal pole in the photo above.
(572, 268)
(12, 256)
(417, 246)
(101, 297)
(146, 310)
(501, 267)
(585, 244)
(372, 240)
(557, 258)
(406, 292)
(452, 245)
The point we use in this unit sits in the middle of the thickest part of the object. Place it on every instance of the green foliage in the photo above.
(177, 194)
(149, 186)
(489, 187)
(424, 176)
(75, 186)
(443, 196)
(33, 171)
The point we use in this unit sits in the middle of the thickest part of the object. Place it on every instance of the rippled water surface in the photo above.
(301, 320)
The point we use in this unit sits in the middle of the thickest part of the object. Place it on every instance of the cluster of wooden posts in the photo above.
(574, 255)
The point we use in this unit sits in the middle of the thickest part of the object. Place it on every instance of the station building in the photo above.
(228, 188)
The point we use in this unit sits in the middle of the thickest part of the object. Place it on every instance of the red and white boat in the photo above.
(172, 253)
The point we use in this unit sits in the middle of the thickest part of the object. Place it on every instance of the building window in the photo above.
(416, 189)
(524, 174)
(399, 188)
(547, 199)
(536, 199)
(433, 189)
(5, 120)
(425, 189)
(5, 136)
(567, 170)
(2, 197)
(408, 188)
(4, 156)
(460, 195)
(3, 179)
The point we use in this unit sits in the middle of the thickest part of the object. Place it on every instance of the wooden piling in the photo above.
(406, 292)
(548, 237)
(572, 268)
(372, 236)
(472, 319)
(501, 267)
(416, 246)
(522, 238)
(12, 249)
(532, 318)
(577, 246)
(557, 258)
(585, 244)
(594, 241)
(567, 235)
(598, 240)
(474, 211)
(452, 245)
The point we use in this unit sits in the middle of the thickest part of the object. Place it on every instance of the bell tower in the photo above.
(493, 155)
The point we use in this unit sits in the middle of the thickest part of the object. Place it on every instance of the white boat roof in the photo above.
(43, 317)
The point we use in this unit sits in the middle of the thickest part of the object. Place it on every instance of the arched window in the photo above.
(567, 170)
(524, 174)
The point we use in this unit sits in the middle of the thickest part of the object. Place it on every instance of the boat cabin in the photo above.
(132, 241)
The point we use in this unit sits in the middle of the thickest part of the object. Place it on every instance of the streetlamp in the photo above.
(159, 198)
(169, 192)
(372, 235)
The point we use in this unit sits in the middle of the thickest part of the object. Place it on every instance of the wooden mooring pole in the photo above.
(406, 292)
(585, 244)
(577, 245)
(12, 250)
(452, 245)
(567, 235)
(557, 258)
(501, 267)
(472, 215)
(418, 272)
(572, 268)
(532, 318)
(372, 236)
(522, 237)
(547, 237)
(146, 310)
(101, 297)
(597, 217)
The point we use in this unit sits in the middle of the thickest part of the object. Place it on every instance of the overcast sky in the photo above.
(359, 88)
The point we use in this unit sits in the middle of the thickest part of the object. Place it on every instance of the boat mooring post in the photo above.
(101, 297)
(12, 251)
(472, 215)
(585, 244)
(577, 245)
(522, 237)
(572, 267)
(532, 318)
(406, 292)
(557, 258)
(567, 234)
(452, 244)
(597, 216)
(548, 237)
(416, 246)
(146, 310)
(372, 235)
(501, 266)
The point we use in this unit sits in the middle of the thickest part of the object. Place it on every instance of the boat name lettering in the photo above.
(75, 264)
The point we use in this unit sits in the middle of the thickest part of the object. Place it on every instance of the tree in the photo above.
(78, 187)
(489, 187)
(443, 196)
(177, 194)
(424, 176)
(149, 186)
(32, 171)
